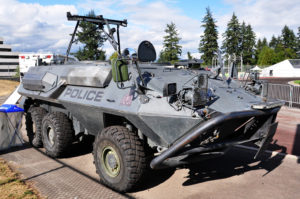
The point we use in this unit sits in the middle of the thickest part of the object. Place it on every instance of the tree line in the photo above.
(239, 39)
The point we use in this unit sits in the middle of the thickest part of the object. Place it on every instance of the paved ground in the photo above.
(53, 178)
(235, 175)
(2, 99)
(288, 131)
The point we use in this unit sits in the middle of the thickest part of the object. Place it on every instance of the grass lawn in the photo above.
(11, 186)
(7, 87)
(297, 82)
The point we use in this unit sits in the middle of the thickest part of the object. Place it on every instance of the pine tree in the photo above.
(247, 43)
(298, 41)
(264, 42)
(162, 58)
(274, 42)
(171, 48)
(259, 46)
(92, 41)
(242, 37)
(190, 57)
(232, 37)
(288, 38)
(209, 40)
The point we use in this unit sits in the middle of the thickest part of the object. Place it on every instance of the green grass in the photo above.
(11, 186)
(297, 82)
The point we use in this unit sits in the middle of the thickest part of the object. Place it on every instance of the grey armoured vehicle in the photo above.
(140, 113)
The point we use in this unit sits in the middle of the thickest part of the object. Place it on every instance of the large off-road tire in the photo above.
(34, 117)
(119, 158)
(57, 133)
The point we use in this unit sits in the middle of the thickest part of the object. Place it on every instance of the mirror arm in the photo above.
(140, 73)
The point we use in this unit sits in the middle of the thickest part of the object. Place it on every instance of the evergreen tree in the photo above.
(92, 41)
(274, 42)
(247, 44)
(162, 58)
(208, 43)
(242, 37)
(232, 37)
(171, 48)
(298, 40)
(288, 38)
(259, 46)
(190, 57)
(264, 42)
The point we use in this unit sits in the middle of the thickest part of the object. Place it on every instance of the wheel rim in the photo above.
(34, 129)
(110, 161)
(50, 135)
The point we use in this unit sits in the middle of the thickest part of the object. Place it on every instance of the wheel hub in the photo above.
(110, 161)
(51, 136)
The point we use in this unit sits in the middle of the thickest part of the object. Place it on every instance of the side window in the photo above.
(271, 73)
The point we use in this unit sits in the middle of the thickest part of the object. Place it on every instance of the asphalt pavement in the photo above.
(234, 175)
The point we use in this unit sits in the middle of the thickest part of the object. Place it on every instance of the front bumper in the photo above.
(262, 137)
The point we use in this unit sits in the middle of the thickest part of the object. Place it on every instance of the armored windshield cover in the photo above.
(146, 52)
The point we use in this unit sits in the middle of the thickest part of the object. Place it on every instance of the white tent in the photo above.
(256, 68)
(286, 68)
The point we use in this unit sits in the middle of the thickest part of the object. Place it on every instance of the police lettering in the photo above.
(90, 95)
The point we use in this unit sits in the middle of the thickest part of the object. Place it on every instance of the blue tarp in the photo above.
(10, 108)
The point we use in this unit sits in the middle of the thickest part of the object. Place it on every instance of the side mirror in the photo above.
(146, 52)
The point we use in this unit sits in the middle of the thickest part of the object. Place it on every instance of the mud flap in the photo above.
(264, 143)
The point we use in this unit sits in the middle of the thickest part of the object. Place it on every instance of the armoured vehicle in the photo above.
(140, 113)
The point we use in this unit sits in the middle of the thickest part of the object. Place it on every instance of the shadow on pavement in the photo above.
(76, 149)
(153, 178)
(235, 162)
(78, 171)
(16, 148)
(296, 145)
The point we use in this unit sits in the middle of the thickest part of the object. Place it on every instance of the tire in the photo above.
(33, 123)
(57, 134)
(122, 149)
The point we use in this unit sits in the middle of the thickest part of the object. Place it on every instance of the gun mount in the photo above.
(101, 24)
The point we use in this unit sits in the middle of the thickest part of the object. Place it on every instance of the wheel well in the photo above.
(48, 106)
(110, 120)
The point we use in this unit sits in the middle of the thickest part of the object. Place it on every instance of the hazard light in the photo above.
(22, 57)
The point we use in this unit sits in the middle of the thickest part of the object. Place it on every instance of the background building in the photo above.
(9, 60)
(289, 68)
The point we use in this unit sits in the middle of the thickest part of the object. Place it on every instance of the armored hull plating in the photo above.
(135, 109)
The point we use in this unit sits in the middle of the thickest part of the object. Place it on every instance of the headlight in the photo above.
(197, 95)
(169, 89)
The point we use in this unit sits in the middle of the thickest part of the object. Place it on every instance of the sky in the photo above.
(42, 26)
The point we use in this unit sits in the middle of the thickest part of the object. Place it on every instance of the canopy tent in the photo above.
(256, 68)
